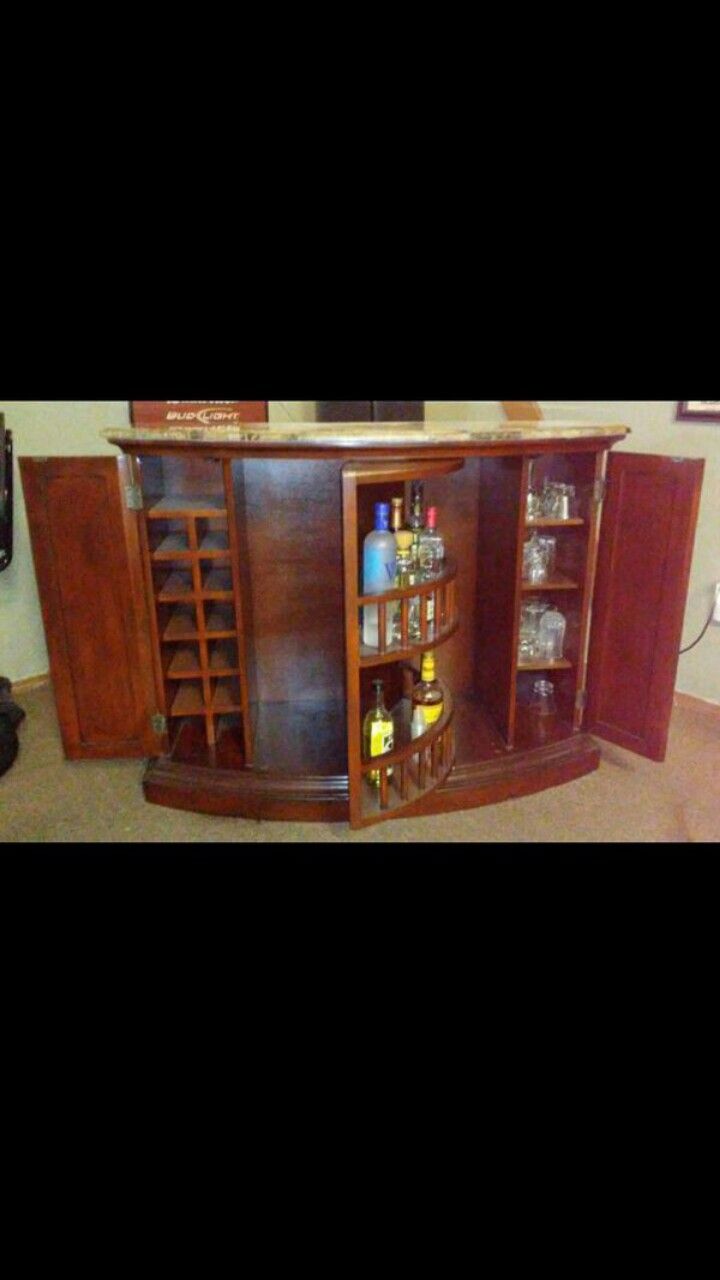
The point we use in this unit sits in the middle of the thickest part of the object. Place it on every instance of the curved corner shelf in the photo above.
(443, 590)
(370, 657)
(419, 765)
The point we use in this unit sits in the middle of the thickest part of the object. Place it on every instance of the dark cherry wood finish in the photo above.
(251, 648)
(89, 574)
(642, 579)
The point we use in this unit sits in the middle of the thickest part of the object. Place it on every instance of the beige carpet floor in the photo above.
(46, 798)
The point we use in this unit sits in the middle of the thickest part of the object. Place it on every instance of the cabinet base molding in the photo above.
(285, 798)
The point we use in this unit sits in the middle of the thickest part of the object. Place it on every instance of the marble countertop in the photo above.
(354, 434)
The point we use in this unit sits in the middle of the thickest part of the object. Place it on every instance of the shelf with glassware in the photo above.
(559, 539)
(190, 535)
(401, 602)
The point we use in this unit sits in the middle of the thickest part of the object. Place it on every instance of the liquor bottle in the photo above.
(407, 576)
(431, 547)
(431, 553)
(378, 733)
(379, 567)
(396, 514)
(416, 519)
(428, 693)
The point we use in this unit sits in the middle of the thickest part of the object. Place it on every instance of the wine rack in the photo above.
(192, 559)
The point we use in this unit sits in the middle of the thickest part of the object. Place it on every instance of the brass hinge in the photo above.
(581, 700)
(133, 497)
(159, 723)
(599, 491)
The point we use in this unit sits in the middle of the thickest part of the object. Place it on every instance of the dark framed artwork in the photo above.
(699, 410)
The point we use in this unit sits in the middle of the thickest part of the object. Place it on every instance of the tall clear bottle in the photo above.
(379, 569)
(416, 518)
(431, 553)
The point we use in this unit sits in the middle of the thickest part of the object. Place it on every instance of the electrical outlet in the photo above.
(716, 610)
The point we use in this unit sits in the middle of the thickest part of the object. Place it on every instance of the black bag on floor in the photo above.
(10, 716)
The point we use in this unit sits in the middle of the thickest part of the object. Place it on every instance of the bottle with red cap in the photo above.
(432, 547)
(431, 554)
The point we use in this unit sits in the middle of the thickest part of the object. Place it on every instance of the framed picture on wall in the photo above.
(699, 410)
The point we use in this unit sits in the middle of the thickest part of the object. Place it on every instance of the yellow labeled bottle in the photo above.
(378, 733)
(428, 693)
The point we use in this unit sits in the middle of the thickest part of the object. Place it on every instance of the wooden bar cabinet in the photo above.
(202, 603)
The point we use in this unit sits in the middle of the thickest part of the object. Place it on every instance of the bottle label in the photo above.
(381, 737)
(432, 712)
(379, 570)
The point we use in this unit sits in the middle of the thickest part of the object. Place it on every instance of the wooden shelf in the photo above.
(217, 585)
(182, 625)
(214, 543)
(223, 660)
(177, 586)
(220, 623)
(175, 546)
(184, 665)
(226, 697)
(558, 583)
(370, 657)
(545, 664)
(175, 507)
(188, 701)
(406, 745)
(550, 523)
(172, 547)
(419, 765)
(448, 574)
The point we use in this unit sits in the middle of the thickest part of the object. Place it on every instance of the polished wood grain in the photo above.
(270, 527)
(646, 544)
(501, 487)
(88, 569)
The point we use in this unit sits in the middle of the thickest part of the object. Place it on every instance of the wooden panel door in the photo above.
(646, 544)
(89, 574)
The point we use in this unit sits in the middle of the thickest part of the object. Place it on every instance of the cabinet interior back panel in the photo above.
(290, 530)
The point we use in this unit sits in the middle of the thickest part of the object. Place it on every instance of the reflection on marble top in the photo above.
(354, 434)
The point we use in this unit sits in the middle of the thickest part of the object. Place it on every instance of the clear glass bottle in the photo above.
(428, 693)
(416, 518)
(407, 576)
(378, 733)
(431, 554)
(432, 547)
(379, 568)
(396, 514)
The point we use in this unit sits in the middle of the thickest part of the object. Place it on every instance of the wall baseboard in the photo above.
(691, 703)
(30, 682)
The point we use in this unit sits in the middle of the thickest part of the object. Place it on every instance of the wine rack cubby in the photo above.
(192, 558)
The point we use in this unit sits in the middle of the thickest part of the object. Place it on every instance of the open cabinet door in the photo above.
(645, 550)
(89, 576)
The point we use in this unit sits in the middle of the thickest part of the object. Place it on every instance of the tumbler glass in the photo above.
(551, 635)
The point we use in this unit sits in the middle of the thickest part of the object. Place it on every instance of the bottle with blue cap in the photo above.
(379, 569)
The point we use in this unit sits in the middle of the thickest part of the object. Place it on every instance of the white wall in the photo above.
(72, 428)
